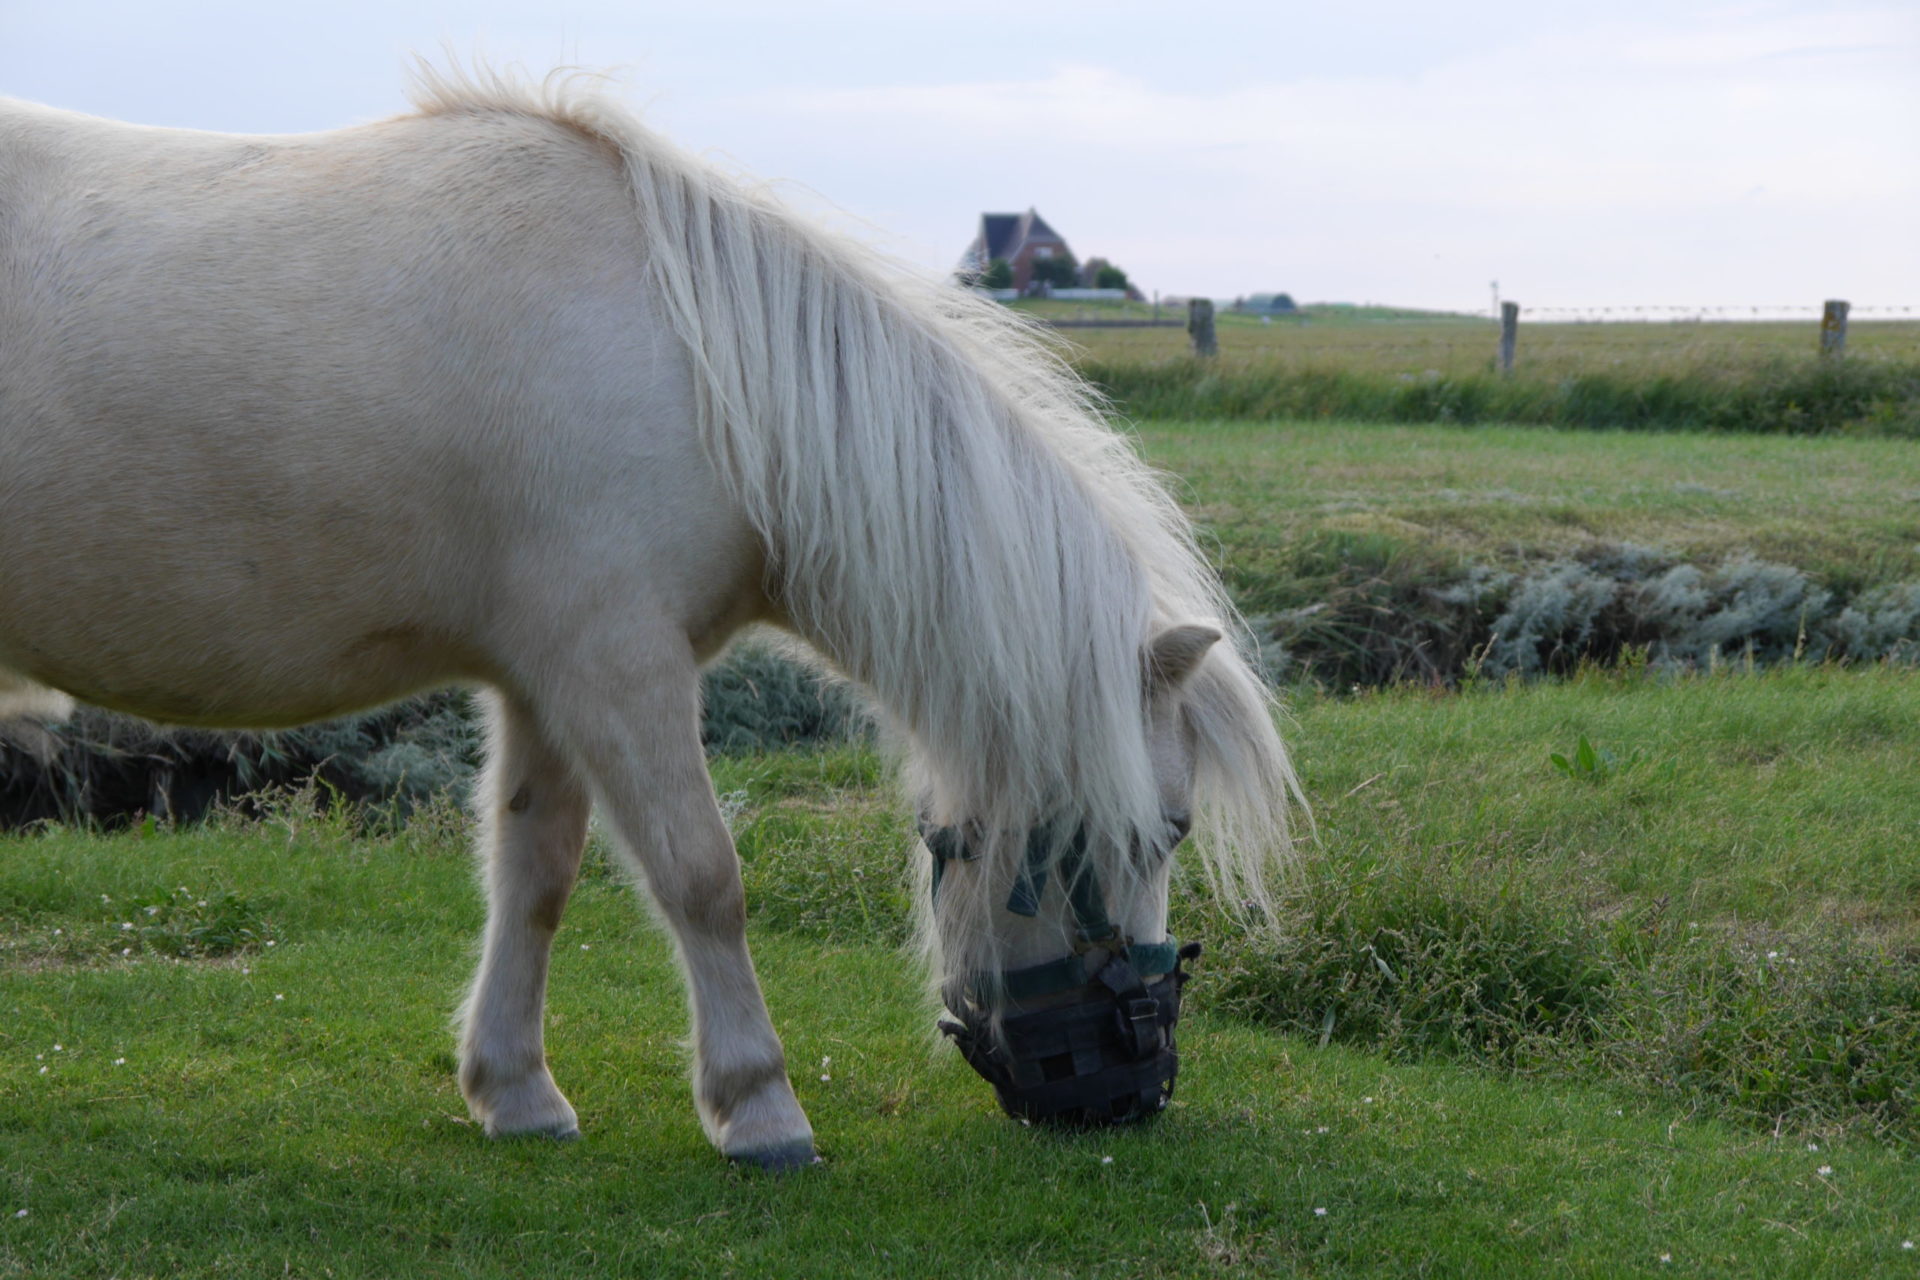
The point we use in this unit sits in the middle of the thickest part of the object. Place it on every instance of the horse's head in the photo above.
(1076, 1025)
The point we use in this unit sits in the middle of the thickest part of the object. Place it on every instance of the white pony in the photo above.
(511, 392)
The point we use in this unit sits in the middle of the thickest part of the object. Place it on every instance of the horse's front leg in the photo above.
(641, 750)
(534, 825)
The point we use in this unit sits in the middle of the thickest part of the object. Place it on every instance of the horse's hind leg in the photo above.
(640, 747)
(534, 822)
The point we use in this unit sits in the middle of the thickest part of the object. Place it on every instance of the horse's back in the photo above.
(287, 422)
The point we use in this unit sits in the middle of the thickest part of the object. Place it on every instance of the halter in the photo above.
(1097, 1044)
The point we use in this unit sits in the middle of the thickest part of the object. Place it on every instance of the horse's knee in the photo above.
(704, 891)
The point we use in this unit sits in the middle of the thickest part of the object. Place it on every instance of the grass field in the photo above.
(1653, 1009)
(1718, 377)
(1845, 509)
(1372, 341)
(288, 1104)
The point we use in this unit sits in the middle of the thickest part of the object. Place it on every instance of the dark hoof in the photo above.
(781, 1159)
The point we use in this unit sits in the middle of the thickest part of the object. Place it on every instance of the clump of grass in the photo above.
(1806, 1029)
(1401, 964)
(1371, 608)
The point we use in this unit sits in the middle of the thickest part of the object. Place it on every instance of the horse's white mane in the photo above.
(950, 518)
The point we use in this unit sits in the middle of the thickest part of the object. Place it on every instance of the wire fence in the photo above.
(1678, 313)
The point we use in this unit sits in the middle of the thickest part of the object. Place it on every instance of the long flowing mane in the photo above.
(949, 517)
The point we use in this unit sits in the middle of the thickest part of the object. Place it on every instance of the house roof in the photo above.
(1002, 234)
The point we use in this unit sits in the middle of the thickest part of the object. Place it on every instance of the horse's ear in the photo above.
(1174, 655)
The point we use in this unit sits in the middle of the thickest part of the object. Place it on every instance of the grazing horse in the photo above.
(510, 392)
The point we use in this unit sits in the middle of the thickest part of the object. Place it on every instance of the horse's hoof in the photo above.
(536, 1135)
(785, 1158)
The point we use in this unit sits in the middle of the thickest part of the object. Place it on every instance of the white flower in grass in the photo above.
(1666, 1257)
(1906, 1244)
(1813, 1146)
(119, 1062)
(59, 1048)
(126, 951)
(1824, 1170)
(824, 1077)
(43, 1071)
(21, 1213)
(1366, 1100)
(1319, 1212)
(585, 947)
(272, 943)
(278, 996)
(126, 926)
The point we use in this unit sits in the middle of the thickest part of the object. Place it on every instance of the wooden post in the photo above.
(1833, 329)
(1200, 327)
(1509, 334)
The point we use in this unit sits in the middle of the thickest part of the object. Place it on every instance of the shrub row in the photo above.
(1386, 611)
(112, 769)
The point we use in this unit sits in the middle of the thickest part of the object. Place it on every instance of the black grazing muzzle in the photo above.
(1085, 1039)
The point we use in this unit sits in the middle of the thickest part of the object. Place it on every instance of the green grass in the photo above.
(1764, 377)
(1846, 510)
(287, 1104)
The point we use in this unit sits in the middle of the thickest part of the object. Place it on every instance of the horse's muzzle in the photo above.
(1100, 1053)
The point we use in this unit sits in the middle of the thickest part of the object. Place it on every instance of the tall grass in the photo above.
(1772, 395)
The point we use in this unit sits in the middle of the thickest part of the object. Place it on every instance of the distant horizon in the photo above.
(1704, 153)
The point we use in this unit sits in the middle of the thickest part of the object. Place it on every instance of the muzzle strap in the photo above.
(1107, 1057)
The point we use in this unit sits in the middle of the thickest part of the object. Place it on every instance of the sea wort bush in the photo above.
(114, 769)
(762, 698)
(103, 767)
(1383, 610)
(1412, 964)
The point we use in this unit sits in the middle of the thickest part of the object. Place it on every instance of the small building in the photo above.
(1020, 239)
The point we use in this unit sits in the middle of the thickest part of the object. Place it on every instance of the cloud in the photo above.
(1617, 141)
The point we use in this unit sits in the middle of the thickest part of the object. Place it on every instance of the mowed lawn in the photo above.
(291, 1109)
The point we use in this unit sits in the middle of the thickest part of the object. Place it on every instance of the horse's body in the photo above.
(510, 393)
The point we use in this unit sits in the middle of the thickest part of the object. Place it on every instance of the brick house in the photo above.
(1020, 238)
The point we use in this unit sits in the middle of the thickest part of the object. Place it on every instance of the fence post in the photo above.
(1833, 328)
(1200, 327)
(1509, 334)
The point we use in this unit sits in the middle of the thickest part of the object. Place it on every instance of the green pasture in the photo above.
(256, 1075)
(1371, 366)
(1381, 341)
(1845, 509)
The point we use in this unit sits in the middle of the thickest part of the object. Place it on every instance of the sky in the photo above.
(1640, 153)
